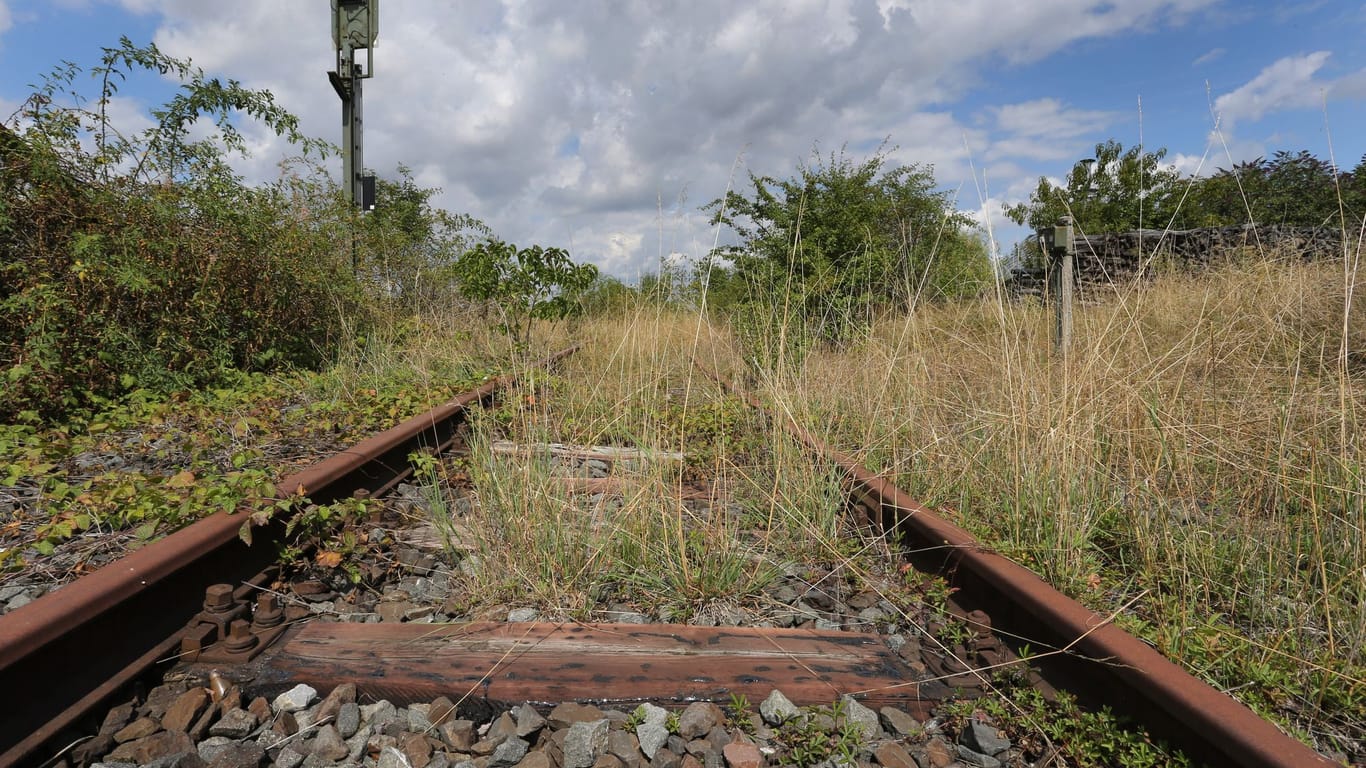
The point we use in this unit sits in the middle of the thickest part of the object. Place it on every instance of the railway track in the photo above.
(199, 603)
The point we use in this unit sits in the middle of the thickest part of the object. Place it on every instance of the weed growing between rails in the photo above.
(1198, 453)
(713, 510)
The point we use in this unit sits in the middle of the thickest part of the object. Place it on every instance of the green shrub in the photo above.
(144, 262)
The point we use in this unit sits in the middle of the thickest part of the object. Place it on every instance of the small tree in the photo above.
(524, 284)
(1121, 191)
(841, 239)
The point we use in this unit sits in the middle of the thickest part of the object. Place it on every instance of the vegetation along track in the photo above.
(735, 512)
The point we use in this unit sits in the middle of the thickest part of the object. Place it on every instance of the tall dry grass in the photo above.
(1198, 455)
(680, 539)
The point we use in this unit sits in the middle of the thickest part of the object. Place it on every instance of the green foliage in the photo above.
(842, 239)
(820, 734)
(1082, 736)
(1120, 191)
(738, 714)
(177, 459)
(144, 262)
(525, 284)
(408, 248)
(1292, 188)
(606, 296)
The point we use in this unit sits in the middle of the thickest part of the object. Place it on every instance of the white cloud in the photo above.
(559, 122)
(1209, 56)
(1043, 129)
(1286, 84)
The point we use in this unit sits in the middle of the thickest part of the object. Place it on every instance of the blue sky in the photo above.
(603, 126)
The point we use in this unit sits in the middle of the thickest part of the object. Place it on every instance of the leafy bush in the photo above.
(526, 284)
(144, 262)
(842, 240)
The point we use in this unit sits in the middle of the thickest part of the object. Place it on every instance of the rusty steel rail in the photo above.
(1099, 660)
(70, 649)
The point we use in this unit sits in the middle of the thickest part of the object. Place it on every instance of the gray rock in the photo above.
(523, 614)
(628, 617)
(826, 624)
(509, 753)
(652, 736)
(699, 718)
(210, 747)
(182, 760)
(294, 699)
(649, 713)
(983, 738)
(895, 642)
(529, 721)
(867, 720)
(288, 758)
(899, 722)
(972, 757)
(417, 717)
(235, 724)
(584, 742)
(777, 708)
(269, 739)
(348, 719)
(379, 714)
(358, 744)
(239, 756)
(391, 757)
(625, 746)
(329, 744)
(871, 615)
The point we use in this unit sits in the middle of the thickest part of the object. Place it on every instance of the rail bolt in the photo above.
(218, 598)
(240, 639)
(268, 612)
(980, 622)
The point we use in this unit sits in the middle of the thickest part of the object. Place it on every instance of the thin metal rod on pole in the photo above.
(1064, 250)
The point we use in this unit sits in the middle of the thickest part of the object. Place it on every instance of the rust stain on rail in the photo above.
(71, 647)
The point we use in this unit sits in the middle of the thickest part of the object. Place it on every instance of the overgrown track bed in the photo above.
(673, 546)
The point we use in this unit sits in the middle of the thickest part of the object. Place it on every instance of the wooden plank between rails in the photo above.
(613, 663)
(585, 453)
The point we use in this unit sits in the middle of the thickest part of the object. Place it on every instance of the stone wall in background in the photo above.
(1116, 257)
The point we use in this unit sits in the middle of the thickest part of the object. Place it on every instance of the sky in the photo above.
(603, 126)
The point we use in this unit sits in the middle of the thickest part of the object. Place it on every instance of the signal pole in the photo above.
(355, 27)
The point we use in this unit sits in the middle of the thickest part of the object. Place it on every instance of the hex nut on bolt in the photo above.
(268, 612)
(240, 637)
(218, 598)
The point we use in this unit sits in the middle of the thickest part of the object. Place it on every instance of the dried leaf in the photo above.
(328, 559)
(183, 479)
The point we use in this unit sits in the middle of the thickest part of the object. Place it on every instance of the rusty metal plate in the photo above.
(549, 662)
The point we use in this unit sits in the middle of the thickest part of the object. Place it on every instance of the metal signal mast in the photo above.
(355, 26)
